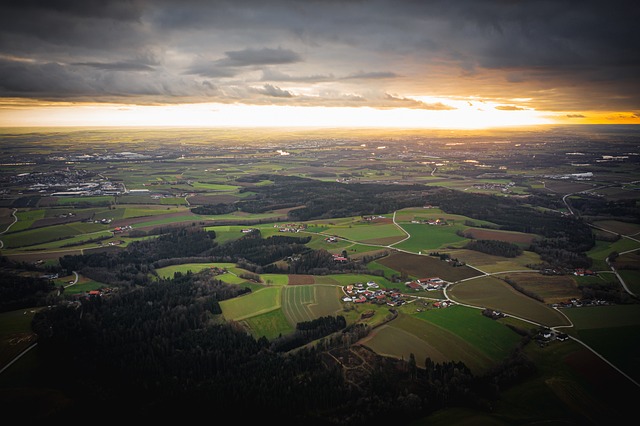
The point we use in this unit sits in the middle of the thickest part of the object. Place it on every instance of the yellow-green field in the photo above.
(490, 263)
(494, 293)
(168, 271)
(252, 304)
(452, 334)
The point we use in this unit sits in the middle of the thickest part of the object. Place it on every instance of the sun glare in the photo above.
(463, 115)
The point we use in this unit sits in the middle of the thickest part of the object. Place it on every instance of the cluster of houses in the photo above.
(436, 222)
(430, 284)
(371, 292)
(504, 187)
(579, 303)
(371, 218)
(121, 229)
(291, 227)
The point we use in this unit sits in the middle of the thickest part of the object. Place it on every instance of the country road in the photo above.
(446, 288)
(15, 220)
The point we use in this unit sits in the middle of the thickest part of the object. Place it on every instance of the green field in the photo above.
(15, 333)
(79, 241)
(275, 279)
(368, 232)
(270, 325)
(490, 263)
(83, 287)
(425, 238)
(102, 200)
(452, 334)
(215, 186)
(31, 237)
(602, 249)
(168, 271)
(26, 219)
(296, 301)
(252, 304)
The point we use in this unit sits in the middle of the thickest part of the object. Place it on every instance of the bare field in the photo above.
(552, 288)
(426, 266)
(629, 260)
(301, 279)
(564, 187)
(490, 263)
(494, 293)
(508, 236)
(623, 228)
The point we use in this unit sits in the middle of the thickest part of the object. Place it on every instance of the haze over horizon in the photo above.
(321, 63)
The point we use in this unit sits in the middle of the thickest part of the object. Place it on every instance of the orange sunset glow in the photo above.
(378, 64)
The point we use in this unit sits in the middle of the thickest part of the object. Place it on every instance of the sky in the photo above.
(402, 63)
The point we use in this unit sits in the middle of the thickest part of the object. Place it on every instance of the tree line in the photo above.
(157, 353)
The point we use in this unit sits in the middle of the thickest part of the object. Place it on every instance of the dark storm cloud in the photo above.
(274, 75)
(565, 54)
(234, 61)
(264, 56)
(55, 81)
(372, 75)
(275, 91)
(116, 66)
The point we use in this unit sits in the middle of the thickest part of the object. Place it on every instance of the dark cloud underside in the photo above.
(559, 53)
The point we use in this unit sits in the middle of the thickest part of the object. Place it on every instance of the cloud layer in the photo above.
(556, 55)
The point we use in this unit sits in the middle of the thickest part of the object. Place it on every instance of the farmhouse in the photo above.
(414, 285)
(583, 272)
(433, 283)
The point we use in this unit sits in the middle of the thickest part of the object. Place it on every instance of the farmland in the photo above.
(389, 218)
(493, 293)
(479, 342)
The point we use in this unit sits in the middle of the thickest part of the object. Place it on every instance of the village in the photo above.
(371, 292)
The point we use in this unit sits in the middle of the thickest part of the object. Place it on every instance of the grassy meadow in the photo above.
(456, 333)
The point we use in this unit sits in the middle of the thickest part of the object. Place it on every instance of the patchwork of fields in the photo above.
(280, 301)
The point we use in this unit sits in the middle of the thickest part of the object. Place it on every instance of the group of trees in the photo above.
(495, 247)
(153, 352)
(322, 199)
(308, 331)
(564, 239)
(19, 292)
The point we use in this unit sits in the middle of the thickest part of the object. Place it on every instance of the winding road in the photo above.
(445, 289)
(15, 220)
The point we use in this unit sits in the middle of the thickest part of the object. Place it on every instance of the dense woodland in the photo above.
(19, 292)
(495, 247)
(158, 353)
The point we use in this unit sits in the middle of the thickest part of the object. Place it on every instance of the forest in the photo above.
(157, 353)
